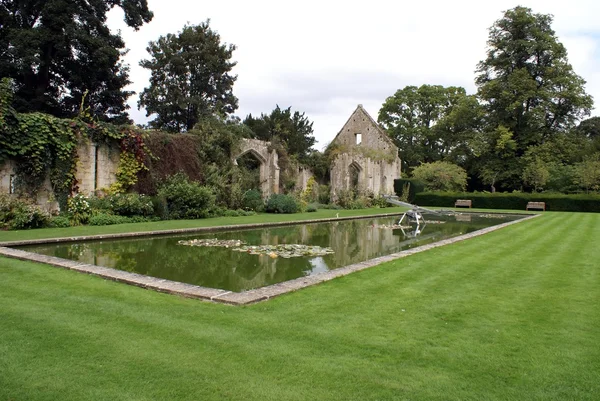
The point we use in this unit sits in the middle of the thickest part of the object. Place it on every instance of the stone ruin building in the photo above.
(366, 159)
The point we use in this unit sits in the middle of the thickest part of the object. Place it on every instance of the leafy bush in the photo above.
(279, 203)
(79, 209)
(349, 199)
(380, 202)
(99, 203)
(186, 199)
(159, 205)
(16, 213)
(515, 200)
(311, 208)
(324, 194)
(252, 200)
(60, 222)
(441, 176)
(131, 204)
(238, 213)
(105, 219)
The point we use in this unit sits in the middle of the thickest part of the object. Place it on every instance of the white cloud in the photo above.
(325, 57)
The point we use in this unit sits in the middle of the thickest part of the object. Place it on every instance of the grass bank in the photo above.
(512, 315)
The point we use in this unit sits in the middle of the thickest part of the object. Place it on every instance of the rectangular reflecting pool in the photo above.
(247, 259)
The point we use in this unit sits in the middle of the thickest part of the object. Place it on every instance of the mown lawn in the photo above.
(511, 315)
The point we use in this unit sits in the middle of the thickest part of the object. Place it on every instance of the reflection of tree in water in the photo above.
(353, 241)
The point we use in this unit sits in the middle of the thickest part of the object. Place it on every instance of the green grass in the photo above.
(176, 224)
(511, 315)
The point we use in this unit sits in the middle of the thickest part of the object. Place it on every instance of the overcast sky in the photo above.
(326, 57)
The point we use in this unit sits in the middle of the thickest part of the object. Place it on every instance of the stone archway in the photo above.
(355, 176)
(269, 169)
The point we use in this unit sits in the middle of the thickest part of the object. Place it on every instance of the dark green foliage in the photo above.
(237, 213)
(413, 187)
(294, 130)
(60, 222)
(441, 176)
(324, 194)
(190, 78)
(107, 219)
(431, 123)
(18, 213)
(351, 199)
(279, 203)
(252, 200)
(57, 51)
(380, 202)
(131, 204)
(530, 93)
(514, 201)
(186, 199)
(312, 208)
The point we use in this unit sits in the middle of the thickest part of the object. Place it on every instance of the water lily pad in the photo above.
(225, 243)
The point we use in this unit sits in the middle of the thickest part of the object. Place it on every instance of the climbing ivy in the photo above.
(44, 145)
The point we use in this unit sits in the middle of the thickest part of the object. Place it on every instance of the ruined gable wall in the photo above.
(376, 157)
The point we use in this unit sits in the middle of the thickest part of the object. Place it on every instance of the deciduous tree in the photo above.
(190, 78)
(430, 123)
(527, 86)
(293, 129)
(56, 50)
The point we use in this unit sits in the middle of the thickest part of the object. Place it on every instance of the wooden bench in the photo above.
(463, 202)
(536, 205)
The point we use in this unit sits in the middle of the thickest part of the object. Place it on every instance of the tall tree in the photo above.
(190, 78)
(57, 50)
(293, 129)
(528, 87)
(430, 123)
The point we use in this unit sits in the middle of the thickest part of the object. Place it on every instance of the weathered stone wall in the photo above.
(45, 195)
(269, 169)
(362, 145)
(96, 167)
(304, 174)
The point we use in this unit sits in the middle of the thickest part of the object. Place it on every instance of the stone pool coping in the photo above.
(217, 295)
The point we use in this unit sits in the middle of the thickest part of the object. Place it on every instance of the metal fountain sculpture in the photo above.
(414, 215)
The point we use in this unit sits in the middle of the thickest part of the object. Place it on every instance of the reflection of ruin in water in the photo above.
(353, 241)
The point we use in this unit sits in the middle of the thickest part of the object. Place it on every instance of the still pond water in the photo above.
(352, 241)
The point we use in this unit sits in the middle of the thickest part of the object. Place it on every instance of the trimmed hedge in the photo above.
(515, 201)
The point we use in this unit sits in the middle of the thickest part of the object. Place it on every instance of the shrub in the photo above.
(186, 199)
(131, 205)
(311, 208)
(98, 203)
(16, 213)
(105, 219)
(279, 203)
(252, 200)
(159, 205)
(79, 209)
(324, 194)
(441, 176)
(380, 202)
(515, 200)
(349, 199)
(60, 222)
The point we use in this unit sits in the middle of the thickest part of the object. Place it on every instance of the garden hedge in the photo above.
(515, 200)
